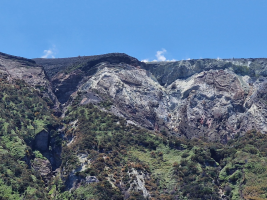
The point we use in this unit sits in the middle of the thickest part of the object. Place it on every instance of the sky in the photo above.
(146, 29)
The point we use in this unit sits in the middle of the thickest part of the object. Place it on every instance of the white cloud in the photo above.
(160, 57)
(50, 53)
(145, 60)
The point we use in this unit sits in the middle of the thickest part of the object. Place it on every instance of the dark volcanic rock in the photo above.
(85, 63)
(66, 84)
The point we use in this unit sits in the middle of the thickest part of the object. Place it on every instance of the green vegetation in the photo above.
(116, 149)
(240, 69)
(38, 154)
(122, 160)
(190, 169)
(244, 169)
(23, 113)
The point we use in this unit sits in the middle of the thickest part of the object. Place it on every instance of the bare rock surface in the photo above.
(13, 67)
(85, 63)
(66, 73)
(21, 68)
(138, 182)
(44, 167)
(91, 179)
(210, 98)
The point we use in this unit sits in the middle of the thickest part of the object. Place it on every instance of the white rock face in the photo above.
(215, 99)
(91, 179)
(139, 183)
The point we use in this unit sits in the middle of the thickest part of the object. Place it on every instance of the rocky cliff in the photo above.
(112, 127)
(18, 68)
(210, 98)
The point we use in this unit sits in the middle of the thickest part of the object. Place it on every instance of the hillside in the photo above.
(214, 99)
(112, 127)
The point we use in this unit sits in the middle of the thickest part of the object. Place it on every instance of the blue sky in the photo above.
(145, 29)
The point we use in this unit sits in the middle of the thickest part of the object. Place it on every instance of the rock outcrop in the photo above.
(91, 179)
(210, 98)
(13, 68)
(43, 167)
(66, 73)
(85, 63)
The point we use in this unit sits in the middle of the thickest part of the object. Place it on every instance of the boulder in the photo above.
(91, 179)
(44, 167)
